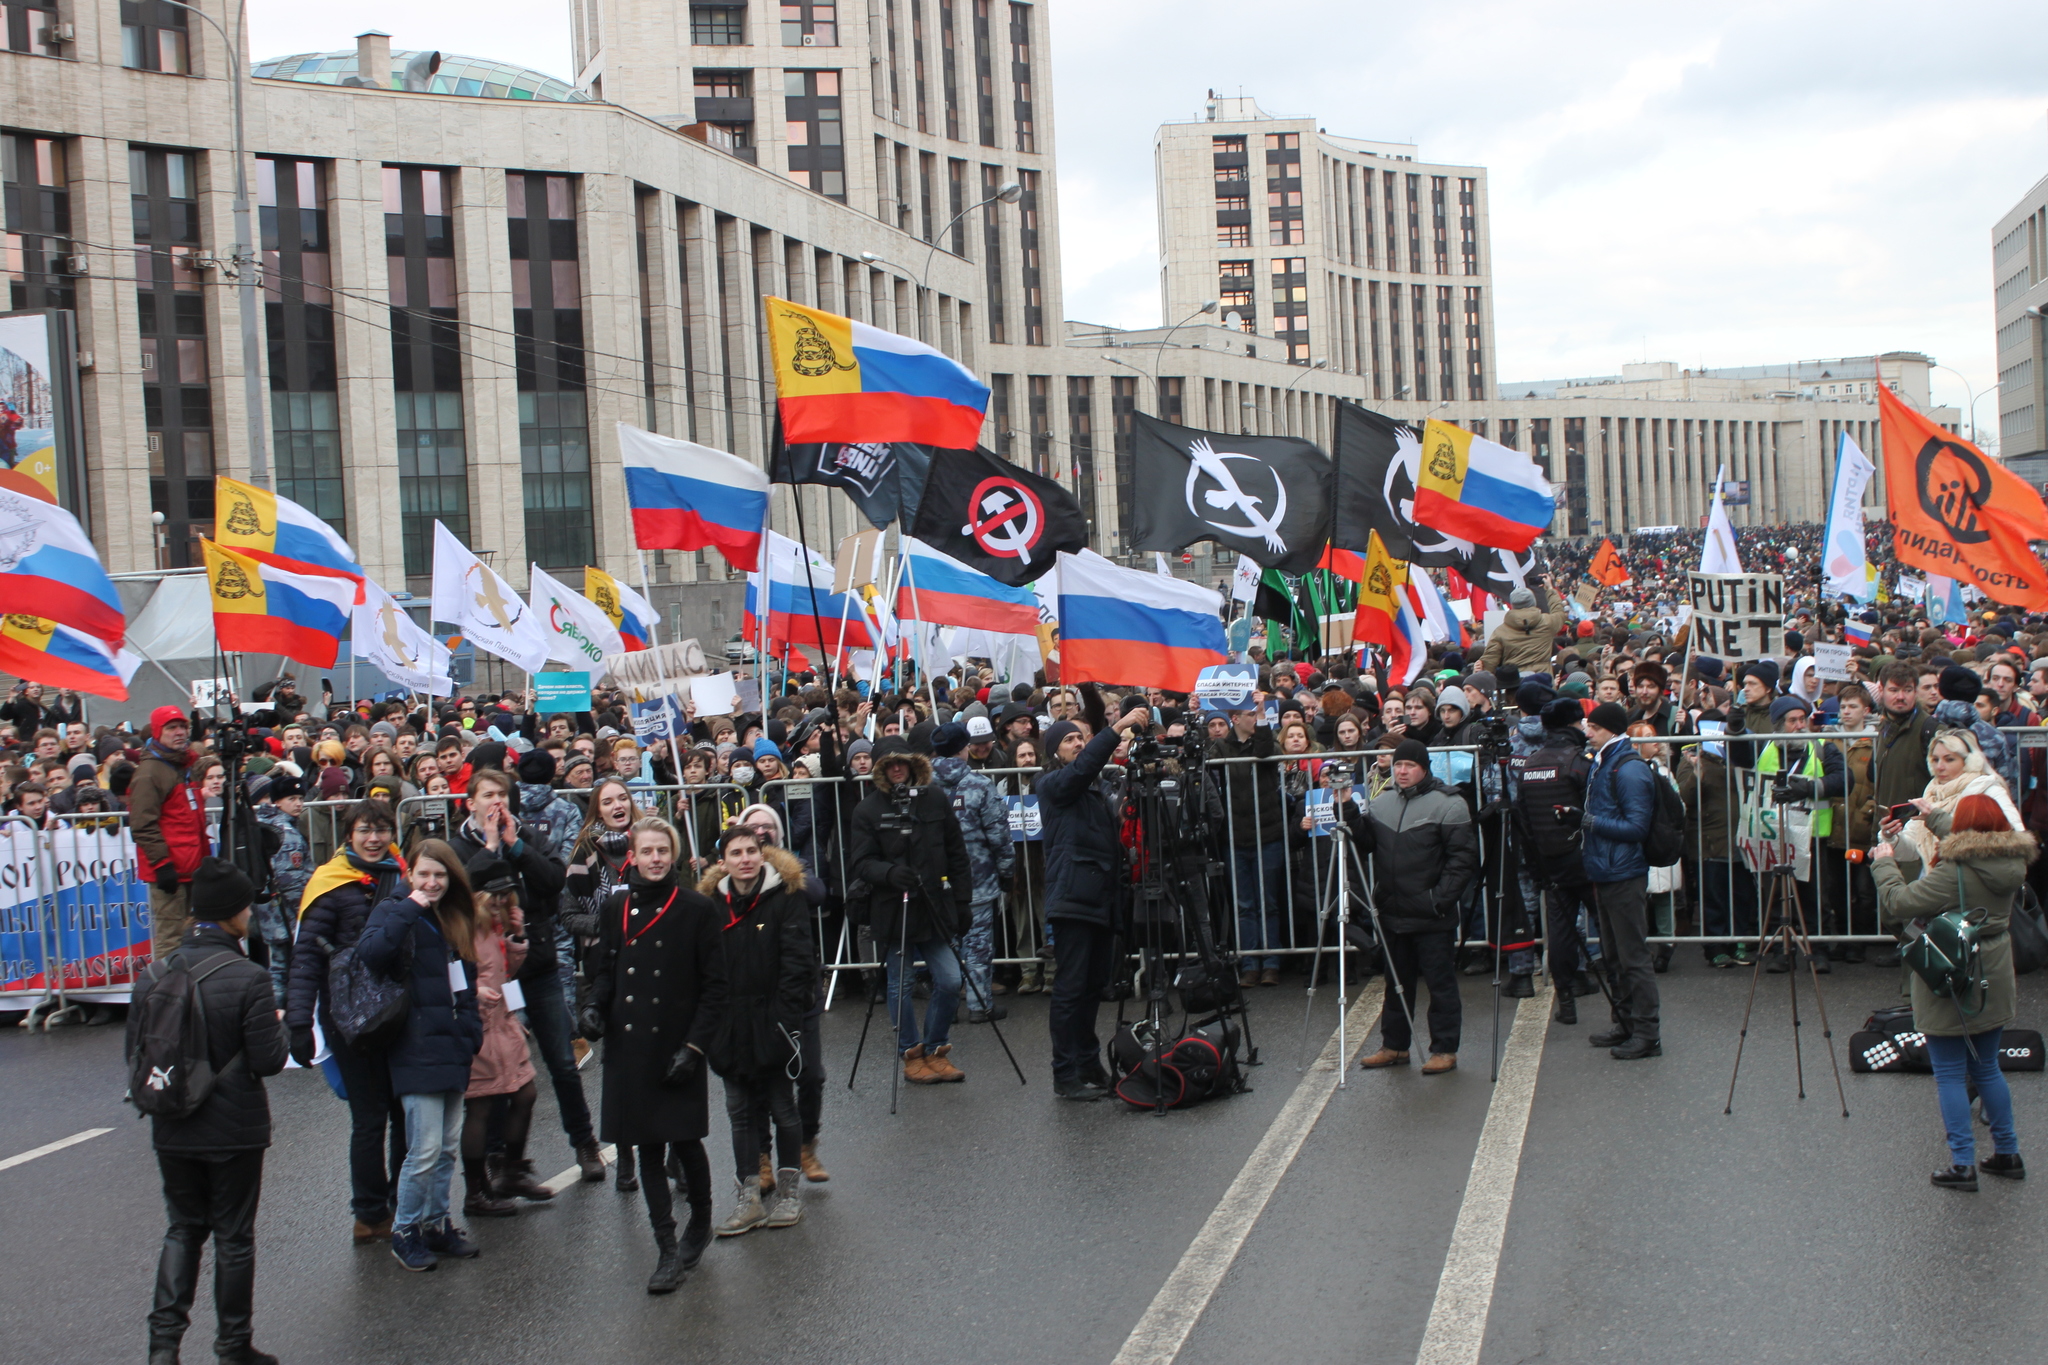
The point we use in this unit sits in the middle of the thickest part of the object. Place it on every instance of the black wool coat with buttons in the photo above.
(657, 976)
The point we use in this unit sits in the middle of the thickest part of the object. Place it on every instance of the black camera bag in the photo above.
(1201, 1064)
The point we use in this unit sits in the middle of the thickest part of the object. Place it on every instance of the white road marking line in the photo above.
(574, 1175)
(1464, 1293)
(59, 1145)
(1179, 1304)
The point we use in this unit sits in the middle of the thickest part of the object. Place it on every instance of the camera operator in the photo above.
(1552, 782)
(1621, 804)
(1256, 827)
(907, 846)
(1419, 832)
(1084, 893)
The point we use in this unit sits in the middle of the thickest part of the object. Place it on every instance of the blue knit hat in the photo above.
(765, 745)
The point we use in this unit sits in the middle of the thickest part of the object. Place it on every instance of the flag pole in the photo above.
(675, 743)
(923, 645)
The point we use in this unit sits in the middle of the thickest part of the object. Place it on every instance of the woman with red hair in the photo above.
(1980, 862)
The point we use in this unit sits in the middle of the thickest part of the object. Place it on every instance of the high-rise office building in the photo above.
(1344, 250)
(2019, 293)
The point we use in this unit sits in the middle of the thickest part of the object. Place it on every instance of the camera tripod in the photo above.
(1346, 860)
(1789, 936)
(904, 1005)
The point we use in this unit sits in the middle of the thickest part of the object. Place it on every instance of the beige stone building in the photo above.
(2019, 293)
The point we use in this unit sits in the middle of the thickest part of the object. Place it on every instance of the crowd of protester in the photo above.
(538, 883)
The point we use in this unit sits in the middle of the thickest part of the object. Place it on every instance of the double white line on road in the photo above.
(59, 1145)
(1457, 1320)
(1178, 1305)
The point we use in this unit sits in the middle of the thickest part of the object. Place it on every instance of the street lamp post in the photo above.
(1966, 389)
(1009, 193)
(1307, 370)
(245, 262)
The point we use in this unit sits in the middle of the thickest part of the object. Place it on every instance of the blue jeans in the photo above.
(1255, 873)
(979, 945)
(1978, 1056)
(938, 1013)
(547, 1016)
(433, 1132)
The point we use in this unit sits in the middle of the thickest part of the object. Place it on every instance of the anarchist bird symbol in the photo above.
(1408, 461)
(1227, 493)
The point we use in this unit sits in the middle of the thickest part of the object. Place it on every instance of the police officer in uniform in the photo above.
(1551, 779)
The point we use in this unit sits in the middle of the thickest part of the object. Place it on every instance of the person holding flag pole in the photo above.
(1717, 555)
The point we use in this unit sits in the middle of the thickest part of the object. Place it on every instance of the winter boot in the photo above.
(668, 1268)
(512, 1176)
(1567, 1011)
(813, 1170)
(481, 1202)
(916, 1070)
(590, 1160)
(789, 1203)
(628, 1180)
(939, 1067)
(748, 1213)
(696, 1236)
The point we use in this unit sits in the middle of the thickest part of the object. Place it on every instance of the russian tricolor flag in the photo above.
(841, 380)
(690, 497)
(48, 563)
(39, 650)
(1127, 626)
(1479, 490)
(1857, 632)
(802, 608)
(273, 530)
(259, 608)
(940, 589)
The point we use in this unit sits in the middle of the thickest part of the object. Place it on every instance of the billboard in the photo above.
(39, 407)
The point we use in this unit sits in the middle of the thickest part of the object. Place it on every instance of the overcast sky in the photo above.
(1722, 184)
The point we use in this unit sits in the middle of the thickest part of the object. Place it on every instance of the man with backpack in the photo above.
(203, 1032)
(1620, 815)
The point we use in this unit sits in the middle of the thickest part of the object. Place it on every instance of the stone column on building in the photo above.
(110, 393)
(362, 354)
(617, 384)
(490, 381)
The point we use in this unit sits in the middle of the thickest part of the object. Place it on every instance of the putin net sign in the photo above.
(1737, 616)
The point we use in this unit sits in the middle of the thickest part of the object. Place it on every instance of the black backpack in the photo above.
(170, 1071)
(1665, 844)
(1201, 1064)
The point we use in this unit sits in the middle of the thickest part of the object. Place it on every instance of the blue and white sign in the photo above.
(1226, 687)
(554, 692)
(1025, 822)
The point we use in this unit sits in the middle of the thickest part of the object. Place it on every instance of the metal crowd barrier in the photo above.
(74, 920)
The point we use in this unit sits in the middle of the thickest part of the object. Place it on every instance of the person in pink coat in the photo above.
(499, 1101)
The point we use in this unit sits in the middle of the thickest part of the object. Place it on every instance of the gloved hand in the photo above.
(1569, 816)
(963, 919)
(590, 1023)
(302, 1046)
(1801, 788)
(685, 1064)
(167, 879)
(903, 878)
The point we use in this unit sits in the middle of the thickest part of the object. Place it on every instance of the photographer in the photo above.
(906, 845)
(1084, 893)
(1425, 855)
(1552, 782)
(1621, 804)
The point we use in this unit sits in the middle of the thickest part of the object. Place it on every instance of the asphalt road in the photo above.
(989, 1222)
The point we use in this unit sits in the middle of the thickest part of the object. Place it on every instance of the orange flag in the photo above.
(1958, 513)
(1607, 566)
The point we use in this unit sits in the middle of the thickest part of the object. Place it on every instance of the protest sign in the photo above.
(1737, 616)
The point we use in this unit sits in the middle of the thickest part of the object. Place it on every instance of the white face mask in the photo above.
(742, 774)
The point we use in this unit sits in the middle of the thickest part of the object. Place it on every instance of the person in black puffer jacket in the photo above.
(427, 940)
(333, 909)
(1084, 893)
(212, 1159)
(771, 981)
(492, 825)
(600, 861)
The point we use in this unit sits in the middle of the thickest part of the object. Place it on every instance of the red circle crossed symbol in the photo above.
(1000, 504)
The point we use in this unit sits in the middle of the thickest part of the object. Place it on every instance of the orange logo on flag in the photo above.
(1959, 513)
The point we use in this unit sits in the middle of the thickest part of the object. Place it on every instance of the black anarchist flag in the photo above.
(992, 516)
(882, 479)
(1267, 497)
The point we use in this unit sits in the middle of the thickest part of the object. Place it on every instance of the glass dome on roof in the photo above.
(458, 75)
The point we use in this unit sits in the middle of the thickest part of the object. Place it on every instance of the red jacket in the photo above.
(167, 815)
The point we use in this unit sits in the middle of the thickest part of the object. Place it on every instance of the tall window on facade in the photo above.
(1439, 211)
(992, 256)
(29, 27)
(1123, 404)
(1284, 225)
(1171, 407)
(1575, 475)
(177, 404)
(724, 99)
(1468, 225)
(1289, 295)
(1475, 353)
(956, 203)
(38, 222)
(547, 321)
(1235, 294)
(298, 321)
(895, 91)
(999, 417)
(1081, 437)
(810, 25)
(1038, 412)
(948, 55)
(718, 25)
(1390, 189)
(154, 37)
(1414, 225)
(984, 74)
(426, 359)
(1027, 252)
(1372, 341)
(1447, 369)
(1020, 76)
(814, 132)
(917, 65)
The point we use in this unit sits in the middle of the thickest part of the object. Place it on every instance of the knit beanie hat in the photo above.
(220, 891)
